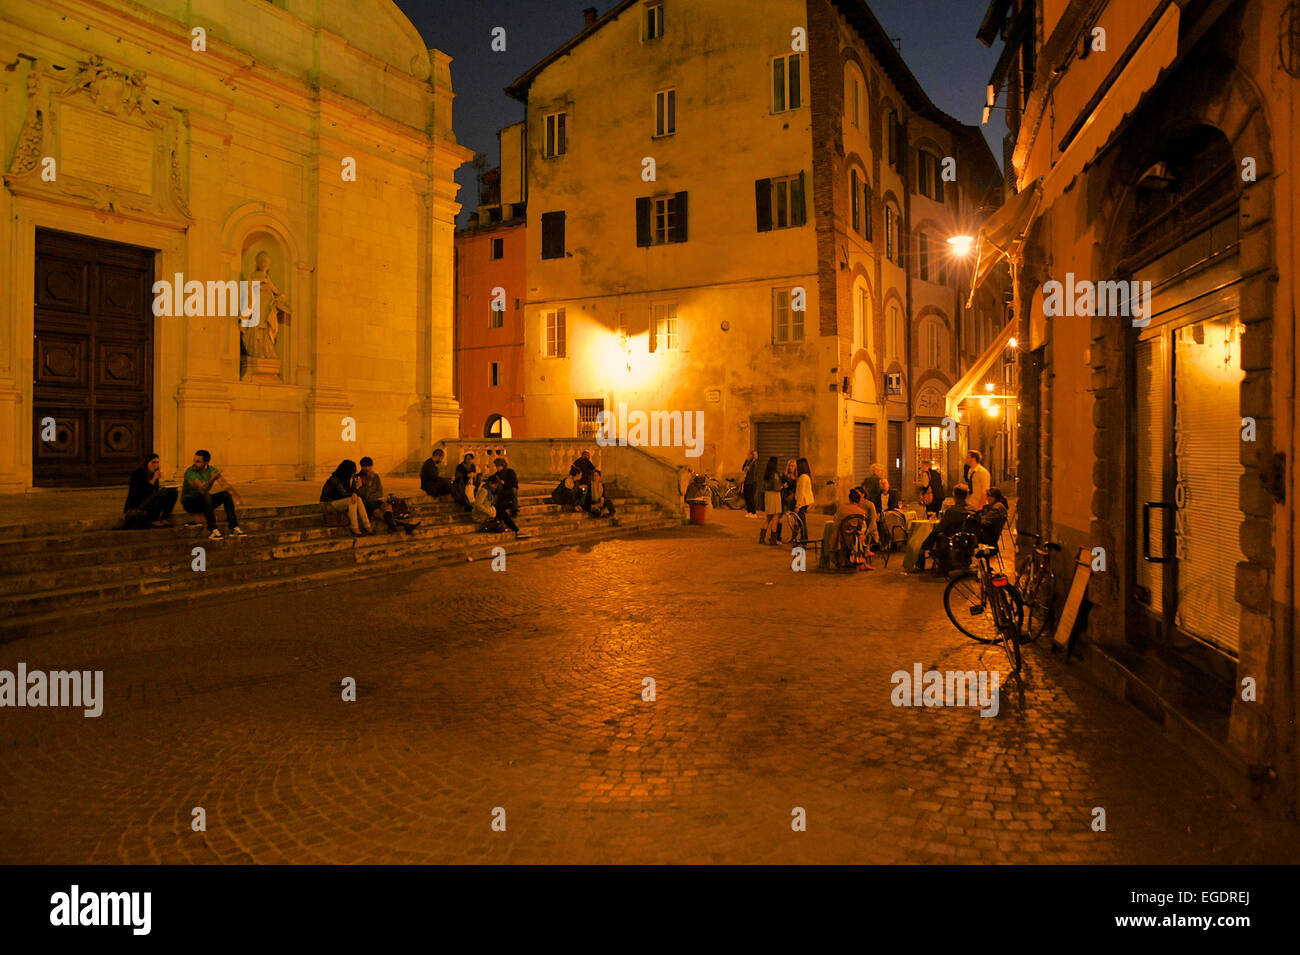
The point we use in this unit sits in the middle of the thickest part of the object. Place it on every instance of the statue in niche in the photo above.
(258, 339)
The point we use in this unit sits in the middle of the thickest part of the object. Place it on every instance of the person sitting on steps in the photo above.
(598, 504)
(464, 475)
(339, 494)
(203, 490)
(370, 487)
(147, 500)
(431, 482)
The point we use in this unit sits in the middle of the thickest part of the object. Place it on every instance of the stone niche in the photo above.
(265, 345)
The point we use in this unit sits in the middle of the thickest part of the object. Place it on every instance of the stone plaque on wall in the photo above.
(107, 149)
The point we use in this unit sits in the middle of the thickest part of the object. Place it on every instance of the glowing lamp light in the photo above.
(961, 245)
(988, 387)
(1012, 343)
(993, 410)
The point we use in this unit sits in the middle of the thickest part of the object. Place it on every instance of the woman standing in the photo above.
(788, 483)
(771, 501)
(932, 490)
(803, 493)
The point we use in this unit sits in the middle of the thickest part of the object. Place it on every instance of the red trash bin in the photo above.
(698, 510)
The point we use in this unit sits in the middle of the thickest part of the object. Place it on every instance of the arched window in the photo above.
(496, 426)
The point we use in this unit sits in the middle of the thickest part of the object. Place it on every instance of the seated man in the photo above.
(854, 508)
(371, 489)
(507, 495)
(887, 501)
(465, 472)
(581, 488)
(431, 482)
(203, 490)
(147, 501)
(992, 517)
(564, 491)
(952, 520)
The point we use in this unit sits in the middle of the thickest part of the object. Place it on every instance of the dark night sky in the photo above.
(938, 43)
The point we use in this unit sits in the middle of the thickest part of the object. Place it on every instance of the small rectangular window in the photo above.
(665, 112)
(556, 139)
(496, 316)
(787, 82)
(787, 323)
(654, 21)
(891, 234)
(498, 248)
(495, 373)
(552, 235)
(663, 327)
(555, 343)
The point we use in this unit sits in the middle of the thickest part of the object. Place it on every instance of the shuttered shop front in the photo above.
(780, 438)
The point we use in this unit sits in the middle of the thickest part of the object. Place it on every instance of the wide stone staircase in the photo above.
(55, 575)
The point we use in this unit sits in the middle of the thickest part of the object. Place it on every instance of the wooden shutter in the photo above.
(679, 230)
(938, 181)
(798, 211)
(643, 222)
(866, 209)
(763, 204)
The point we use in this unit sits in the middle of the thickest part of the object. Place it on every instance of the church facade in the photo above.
(228, 228)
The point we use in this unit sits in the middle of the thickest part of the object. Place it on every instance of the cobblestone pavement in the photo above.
(523, 690)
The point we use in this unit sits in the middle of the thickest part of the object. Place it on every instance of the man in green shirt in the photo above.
(204, 489)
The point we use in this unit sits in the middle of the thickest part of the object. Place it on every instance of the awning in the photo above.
(973, 380)
(1002, 232)
(1139, 76)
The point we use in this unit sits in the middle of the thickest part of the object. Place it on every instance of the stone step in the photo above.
(85, 549)
(163, 594)
(168, 557)
(26, 538)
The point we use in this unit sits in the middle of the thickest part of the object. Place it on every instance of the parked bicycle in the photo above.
(728, 494)
(985, 605)
(1036, 584)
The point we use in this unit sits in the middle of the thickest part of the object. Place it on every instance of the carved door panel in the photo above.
(93, 357)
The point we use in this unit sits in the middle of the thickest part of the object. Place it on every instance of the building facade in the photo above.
(1155, 140)
(162, 160)
(490, 280)
(752, 230)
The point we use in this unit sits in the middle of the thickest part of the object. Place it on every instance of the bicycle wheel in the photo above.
(1039, 604)
(1008, 632)
(791, 532)
(969, 612)
(736, 501)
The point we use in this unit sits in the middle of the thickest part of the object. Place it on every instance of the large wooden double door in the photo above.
(93, 354)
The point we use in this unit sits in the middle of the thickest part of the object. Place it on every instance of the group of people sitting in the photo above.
(583, 489)
(149, 502)
(495, 503)
(962, 525)
(360, 494)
